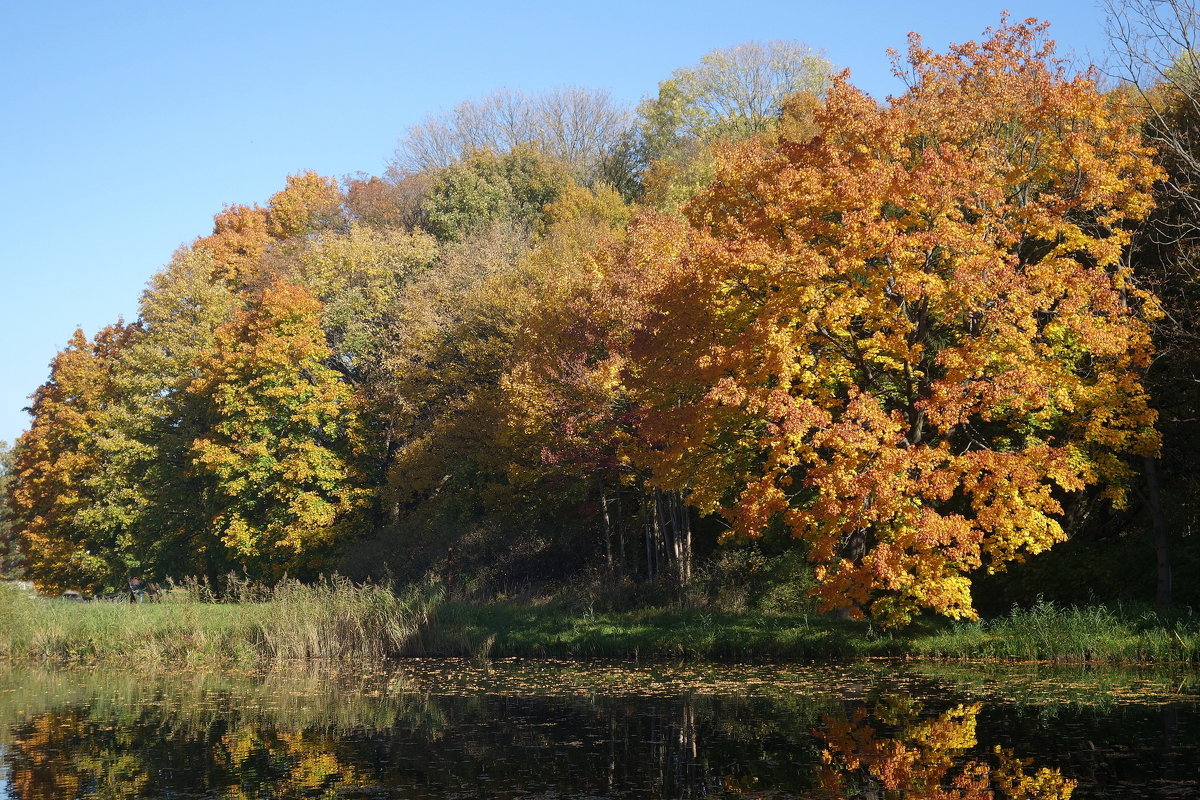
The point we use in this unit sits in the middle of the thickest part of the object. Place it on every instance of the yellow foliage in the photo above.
(907, 335)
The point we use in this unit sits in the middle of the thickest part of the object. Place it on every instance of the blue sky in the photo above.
(124, 126)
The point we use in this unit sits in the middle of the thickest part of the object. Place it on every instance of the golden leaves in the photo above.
(60, 470)
(902, 336)
(283, 433)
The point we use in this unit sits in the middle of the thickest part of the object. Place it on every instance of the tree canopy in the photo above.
(765, 317)
(907, 337)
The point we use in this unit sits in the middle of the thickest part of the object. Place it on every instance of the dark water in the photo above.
(443, 729)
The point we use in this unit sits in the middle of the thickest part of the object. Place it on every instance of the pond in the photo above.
(458, 729)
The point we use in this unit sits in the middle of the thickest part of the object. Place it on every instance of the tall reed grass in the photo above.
(334, 619)
(339, 619)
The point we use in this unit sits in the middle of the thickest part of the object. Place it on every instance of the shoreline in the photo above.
(341, 622)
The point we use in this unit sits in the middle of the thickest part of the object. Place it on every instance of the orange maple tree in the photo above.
(242, 235)
(907, 337)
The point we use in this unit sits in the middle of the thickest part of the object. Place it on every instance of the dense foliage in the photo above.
(765, 318)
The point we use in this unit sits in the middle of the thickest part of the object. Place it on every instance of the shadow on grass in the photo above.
(510, 629)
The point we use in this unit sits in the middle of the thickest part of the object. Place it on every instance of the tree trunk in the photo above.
(656, 531)
(648, 526)
(620, 530)
(685, 538)
(681, 535)
(391, 448)
(666, 531)
(1162, 596)
(608, 548)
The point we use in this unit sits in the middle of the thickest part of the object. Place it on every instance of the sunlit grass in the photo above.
(335, 619)
(1048, 632)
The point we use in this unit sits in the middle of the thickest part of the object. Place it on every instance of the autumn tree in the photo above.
(115, 422)
(283, 485)
(563, 396)
(242, 235)
(908, 338)
(129, 470)
(58, 468)
(239, 239)
(571, 405)
(454, 333)
(474, 437)
(307, 204)
(383, 203)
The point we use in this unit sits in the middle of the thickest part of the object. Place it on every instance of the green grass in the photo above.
(335, 619)
(547, 631)
(341, 621)
(1045, 633)
(1070, 634)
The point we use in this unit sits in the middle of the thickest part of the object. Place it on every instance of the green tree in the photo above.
(727, 96)
(358, 276)
(280, 456)
(10, 554)
(485, 189)
(154, 501)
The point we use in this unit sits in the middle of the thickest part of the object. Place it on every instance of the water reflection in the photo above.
(448, 729)
(924, 756)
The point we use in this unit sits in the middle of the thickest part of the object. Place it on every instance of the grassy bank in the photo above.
(338, 620)
(546, 631)
(1044, 633)
(332, 620)
(1047, 632)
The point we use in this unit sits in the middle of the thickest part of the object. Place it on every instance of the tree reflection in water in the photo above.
(306, 734)
(924, 757)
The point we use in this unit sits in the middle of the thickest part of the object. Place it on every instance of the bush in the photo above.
(745, 577)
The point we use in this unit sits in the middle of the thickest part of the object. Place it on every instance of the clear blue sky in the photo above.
(124, 126)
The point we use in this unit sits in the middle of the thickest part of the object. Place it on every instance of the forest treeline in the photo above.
(762, 321)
